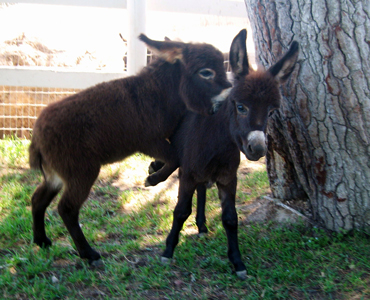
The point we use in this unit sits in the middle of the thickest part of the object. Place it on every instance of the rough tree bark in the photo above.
(319, 141)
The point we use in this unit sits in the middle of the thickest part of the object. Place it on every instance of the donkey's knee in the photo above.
(181, 214)
(230, 219)
(230, 222)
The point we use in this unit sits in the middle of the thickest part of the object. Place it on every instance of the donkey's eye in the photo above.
(207, 73)
(241, 109)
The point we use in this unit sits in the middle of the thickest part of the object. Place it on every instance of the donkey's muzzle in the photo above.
(255, 148)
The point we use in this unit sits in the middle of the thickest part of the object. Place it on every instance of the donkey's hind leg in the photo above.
(164, 152)
(41, 199)
(75, 194)
(155, 166)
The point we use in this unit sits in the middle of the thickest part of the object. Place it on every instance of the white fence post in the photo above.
(136, 50)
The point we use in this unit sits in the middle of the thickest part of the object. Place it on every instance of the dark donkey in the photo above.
(209, 147)
(72, 138)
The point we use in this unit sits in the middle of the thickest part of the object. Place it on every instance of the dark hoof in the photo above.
(147, 182)
(91, 255)
(203, 230)
(150, 181)
(43, 243)
(242, 274)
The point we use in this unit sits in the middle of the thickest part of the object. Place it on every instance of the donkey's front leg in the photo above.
(201, 207)
(230, 223)
(181, 213)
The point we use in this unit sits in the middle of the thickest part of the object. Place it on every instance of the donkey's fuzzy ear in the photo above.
(285, 66)
(238, 54)
(167, 50)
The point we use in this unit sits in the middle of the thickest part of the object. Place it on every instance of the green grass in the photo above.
(128, 225)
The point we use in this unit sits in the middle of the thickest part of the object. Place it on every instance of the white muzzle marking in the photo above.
(221, 96)
(257, 137)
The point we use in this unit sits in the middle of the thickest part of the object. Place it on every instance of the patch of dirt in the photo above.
(262, 210)
(258, 210)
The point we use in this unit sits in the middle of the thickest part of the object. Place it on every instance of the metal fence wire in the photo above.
(20, 107)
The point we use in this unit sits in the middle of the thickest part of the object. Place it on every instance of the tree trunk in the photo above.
(318, 143)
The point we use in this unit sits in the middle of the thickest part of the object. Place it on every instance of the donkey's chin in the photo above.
(253, 157)
(254, 154)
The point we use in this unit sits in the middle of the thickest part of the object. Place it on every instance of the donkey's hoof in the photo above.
(150, 181)
(147, 183)
(203, 230)
(43, 243)
(202, 235)
(165, 260)
(90, 254)
(242, 274)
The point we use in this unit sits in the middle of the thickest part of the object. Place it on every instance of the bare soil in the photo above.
(262, 209)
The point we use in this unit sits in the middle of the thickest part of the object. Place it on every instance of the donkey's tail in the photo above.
(34, 157)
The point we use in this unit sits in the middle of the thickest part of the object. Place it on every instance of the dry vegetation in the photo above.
(25, 51)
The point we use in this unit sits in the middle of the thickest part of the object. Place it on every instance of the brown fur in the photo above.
(72, 138)
(209, 146)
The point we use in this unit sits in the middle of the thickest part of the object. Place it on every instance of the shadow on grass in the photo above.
(129, 225)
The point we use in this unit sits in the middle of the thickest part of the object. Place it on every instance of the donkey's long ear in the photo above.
(284, 67)
(167, 50)
(238, 55)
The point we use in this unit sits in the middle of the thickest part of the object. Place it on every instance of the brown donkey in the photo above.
(72, 138)
(209, 146)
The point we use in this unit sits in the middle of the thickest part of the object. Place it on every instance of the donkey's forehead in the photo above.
(259, 86)
(203, 55)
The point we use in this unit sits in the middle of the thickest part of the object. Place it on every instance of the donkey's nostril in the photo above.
(260, 149)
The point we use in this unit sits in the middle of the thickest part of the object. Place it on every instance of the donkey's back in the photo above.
(109, 121)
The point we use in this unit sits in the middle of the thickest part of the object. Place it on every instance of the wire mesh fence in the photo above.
(39, 49)
(20, 107)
